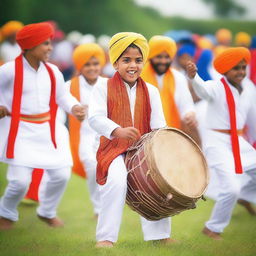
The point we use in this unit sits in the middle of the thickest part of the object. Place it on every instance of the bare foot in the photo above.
(248, 206)
(211, 234)
(53, 222)
(165, 241)
(5, 224)
(104, 244)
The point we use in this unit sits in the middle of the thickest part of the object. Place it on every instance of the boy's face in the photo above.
(42, 51)
(237, 73)
(130, 65)
(161, 63)
(91, 70)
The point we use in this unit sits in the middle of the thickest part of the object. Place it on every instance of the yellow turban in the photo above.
(243, 39)
(84, 52)
(120, 41)
(223, 35)
(230, 58)
(11, 27)
(159, 44)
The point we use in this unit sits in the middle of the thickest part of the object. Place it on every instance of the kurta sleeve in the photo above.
(64, 98)
(97, 115)
(182, 95)
(205, 90)
(157, 119)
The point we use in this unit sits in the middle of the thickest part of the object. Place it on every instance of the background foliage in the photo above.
(112, 16)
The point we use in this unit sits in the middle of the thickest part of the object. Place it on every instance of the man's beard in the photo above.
(157, 70)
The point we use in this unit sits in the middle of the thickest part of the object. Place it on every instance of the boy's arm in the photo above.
(65, 99)
(204, 90)
(97, 118)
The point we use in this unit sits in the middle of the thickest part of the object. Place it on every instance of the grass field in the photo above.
(77, 238)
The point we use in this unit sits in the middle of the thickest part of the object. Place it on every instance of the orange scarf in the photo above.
(167, 94)
(118, 105)
(74, 131)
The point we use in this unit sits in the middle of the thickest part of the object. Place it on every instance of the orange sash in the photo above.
(118, 105)
(74, 132)
(167, 94)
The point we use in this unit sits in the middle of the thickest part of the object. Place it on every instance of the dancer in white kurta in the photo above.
(88, 59)
(222, 157)
(128, 51)
(36, 144)
(176, 99)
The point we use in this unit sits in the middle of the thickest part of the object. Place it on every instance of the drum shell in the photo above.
(148, 193)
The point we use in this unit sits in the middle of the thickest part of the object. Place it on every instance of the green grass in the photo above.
(32, 237)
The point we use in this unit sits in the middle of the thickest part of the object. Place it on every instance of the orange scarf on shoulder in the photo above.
(74, 131)
(118, 105)
(171, 113)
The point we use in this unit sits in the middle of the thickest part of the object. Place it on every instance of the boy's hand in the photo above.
(129, 133)
(80, 112)
(4, 112)
(190, 120)
(191, 69)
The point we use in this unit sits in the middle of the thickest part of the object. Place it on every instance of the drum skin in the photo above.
(148, 192)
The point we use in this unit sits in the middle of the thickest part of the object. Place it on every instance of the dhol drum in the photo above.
(167, 174)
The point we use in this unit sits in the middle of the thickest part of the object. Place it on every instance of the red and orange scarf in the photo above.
(118, 105)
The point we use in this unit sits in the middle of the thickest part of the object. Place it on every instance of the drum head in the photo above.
(180, 162)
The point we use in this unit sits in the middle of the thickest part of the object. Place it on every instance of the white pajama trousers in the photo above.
(90, 166)
(229, 191)
(112, 201)
(19, 178)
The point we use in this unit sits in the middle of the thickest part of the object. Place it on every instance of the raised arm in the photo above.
(204, 90)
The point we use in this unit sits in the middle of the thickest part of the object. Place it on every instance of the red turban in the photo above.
(34, 34)
(230, 57)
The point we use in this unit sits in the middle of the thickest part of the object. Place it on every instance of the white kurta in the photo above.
(217, 145)
(33, 146)
(98, 109)
(113, 193)
(182, 96)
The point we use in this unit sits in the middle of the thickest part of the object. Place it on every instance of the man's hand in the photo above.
(129, 133)
(190, 120)
(80, 111)
(4, 112)
(191, 69)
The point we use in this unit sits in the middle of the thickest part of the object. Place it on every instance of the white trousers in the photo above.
(19, 178)
(112, 201)
(228, 192)
(90, 166)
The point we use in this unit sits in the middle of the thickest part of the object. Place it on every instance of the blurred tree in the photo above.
(224, 8)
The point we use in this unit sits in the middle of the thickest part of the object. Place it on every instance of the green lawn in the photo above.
(32, 237)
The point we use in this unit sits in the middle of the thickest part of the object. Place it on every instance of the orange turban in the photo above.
(34, 34)
(84, 52)
(159, 44)
(243, 39)
(223, 36)
(11, 27)
(230, 58)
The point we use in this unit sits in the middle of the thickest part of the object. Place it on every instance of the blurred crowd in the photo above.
(199, 48)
